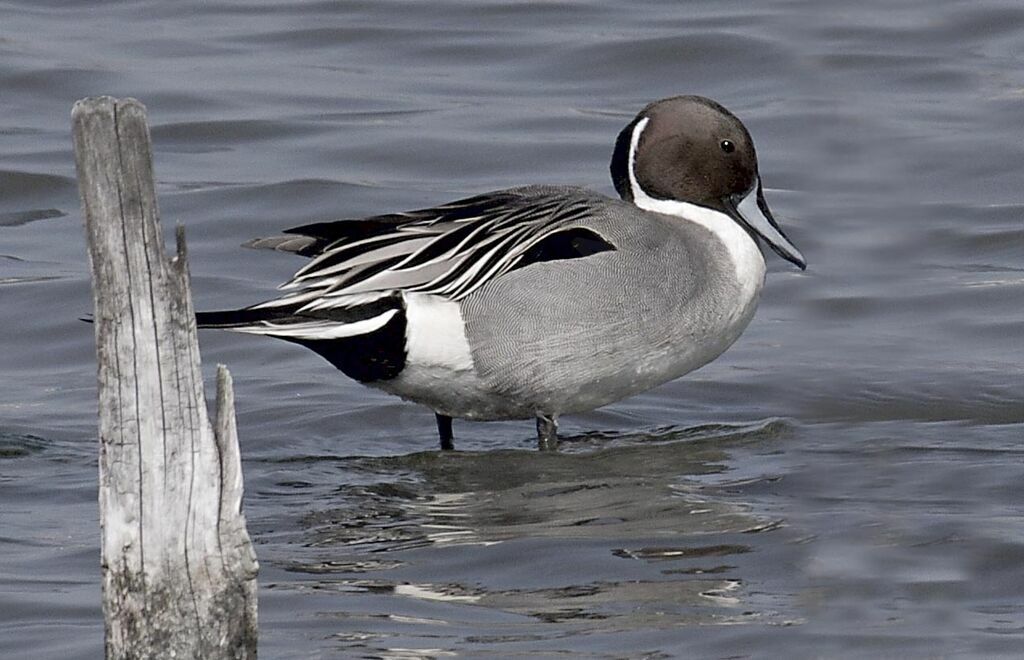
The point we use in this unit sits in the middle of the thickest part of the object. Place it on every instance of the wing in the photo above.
(449, 251)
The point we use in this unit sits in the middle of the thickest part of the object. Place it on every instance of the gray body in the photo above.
(572, 335)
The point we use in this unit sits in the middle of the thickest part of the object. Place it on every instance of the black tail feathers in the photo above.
(234, 318)
(229, 318)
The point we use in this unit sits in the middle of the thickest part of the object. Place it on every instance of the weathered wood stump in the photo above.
(178, 565)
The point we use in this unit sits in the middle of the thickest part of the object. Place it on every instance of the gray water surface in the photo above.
(846, 481)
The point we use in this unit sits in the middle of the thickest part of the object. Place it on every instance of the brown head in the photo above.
(691, 150)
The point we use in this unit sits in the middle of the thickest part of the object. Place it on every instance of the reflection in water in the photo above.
(643, 538)
(597, 486)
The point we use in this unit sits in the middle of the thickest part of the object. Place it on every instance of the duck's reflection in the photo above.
(615, 531)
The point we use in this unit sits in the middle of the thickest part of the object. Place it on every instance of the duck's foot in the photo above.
(444, 429)
(547, 432)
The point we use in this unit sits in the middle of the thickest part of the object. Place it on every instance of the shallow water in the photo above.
(845, 481)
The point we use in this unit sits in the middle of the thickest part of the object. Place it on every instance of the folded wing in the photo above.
(449, 251)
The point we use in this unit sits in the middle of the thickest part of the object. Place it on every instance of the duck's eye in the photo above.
(728, 147)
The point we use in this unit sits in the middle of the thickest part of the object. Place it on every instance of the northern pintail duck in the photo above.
(539, 301)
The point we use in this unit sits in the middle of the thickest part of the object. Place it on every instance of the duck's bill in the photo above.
(751, 210)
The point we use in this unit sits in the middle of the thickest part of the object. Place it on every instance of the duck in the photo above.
(540, 301)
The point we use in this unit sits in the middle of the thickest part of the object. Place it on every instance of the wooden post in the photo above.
(179, 571)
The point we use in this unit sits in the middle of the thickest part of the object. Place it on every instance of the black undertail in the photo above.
(373, 356)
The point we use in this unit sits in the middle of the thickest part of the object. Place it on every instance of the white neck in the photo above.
(746, 255)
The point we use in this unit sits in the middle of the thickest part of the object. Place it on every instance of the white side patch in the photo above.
(320, 329)
(745, 254)
(435, 333)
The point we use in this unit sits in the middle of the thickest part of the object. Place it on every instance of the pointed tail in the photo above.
(237, 318)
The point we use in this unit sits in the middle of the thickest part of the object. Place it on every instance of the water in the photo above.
(845, 481)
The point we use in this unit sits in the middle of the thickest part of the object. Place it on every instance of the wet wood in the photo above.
(178, 565)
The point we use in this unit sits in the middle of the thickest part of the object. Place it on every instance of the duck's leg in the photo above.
(444, 429)
(547, 432)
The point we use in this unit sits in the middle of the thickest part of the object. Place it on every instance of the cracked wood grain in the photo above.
(178, 564)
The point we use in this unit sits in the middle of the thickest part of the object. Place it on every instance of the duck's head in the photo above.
(691, 150)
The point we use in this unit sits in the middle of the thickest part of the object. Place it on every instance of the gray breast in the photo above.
(572, 335)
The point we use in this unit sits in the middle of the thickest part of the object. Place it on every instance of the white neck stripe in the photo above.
(634, 140)
(745, 254)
